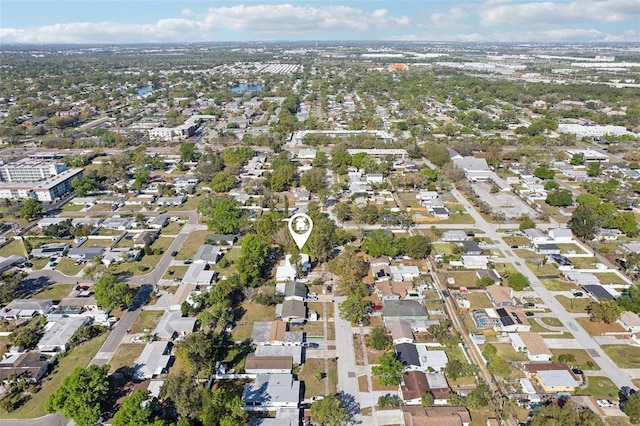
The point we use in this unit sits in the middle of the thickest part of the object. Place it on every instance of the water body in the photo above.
(242, 88)
(141, 91)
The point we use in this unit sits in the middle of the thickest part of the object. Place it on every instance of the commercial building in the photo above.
(49, 190)
(29, 170)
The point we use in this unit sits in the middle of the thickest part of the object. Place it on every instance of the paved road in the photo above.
(617, 375)
(55, 277)
(118, 333)
(55, 419)
(347, 379)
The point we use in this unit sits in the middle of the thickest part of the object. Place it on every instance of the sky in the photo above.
(148, 21)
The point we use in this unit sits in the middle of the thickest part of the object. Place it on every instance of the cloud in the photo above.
(287, 20)
(493, 13)
(451, 18)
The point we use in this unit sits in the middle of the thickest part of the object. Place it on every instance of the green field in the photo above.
(600, 388)
(54, 292)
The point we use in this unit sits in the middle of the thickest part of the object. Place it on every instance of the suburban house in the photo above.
(85, 253)
(400, 331)
(439, 387)
(474, 168)
(404, 272)
(475, 262)
(553, 377)
(393, 290)
(26, 308)
(630, 321)
(471, 248)
(408, 354)
(293, 311)
(292, 290)
(427, 195)
(271, 392)
(295, 352)
(547, 248)
(500, 295)
(118, 223)
(122, 254)
(431, 360)
(176, 201)
(268, 364)
(512, 319)
(58, 331)
(49, 250)
(208, 253)
(489, 273)
(28, 365)
(563, 263)
(221, 239)
(275, 333)
(198, 274)
(532, 345)
(454, 236)
(410, 310)
(414, 385)
(145, 238)
(153, 361)
(561, 235)
(416, 415)
(607, 234)
(158, 222)
(172, 325)
(7, 263)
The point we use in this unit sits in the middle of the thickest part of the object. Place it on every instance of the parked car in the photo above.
(317, 398)
(174, 253)
(604, 403)
(529, 314)
(577, 371)
(188, 261)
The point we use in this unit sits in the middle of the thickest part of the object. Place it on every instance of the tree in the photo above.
(550, 185)
(378, 339)
(112, 294)
(607, 311)
(577, 159)
(355, 309)
(329, 411)
(181, 388)
(526, 223)
(223, 181)
(83, 185)
(566, 358)
(282, 178)
(135, 410)
(389, 370)
(562, 412)
(632, 408)
(584, 221)
(544, 172)
(427, 399)
(518, 281)
(141, 177)
(560, 198)
(350, 269)
(32, 209)
(479, 397)
(253, 256)
(81, 395)
(418, 246)
(631, 302)
(314, 179)
(26, 336)
(222, 408)
(484, 282)
(380, 243)
(224, 213)
(342, 211)
(594, 170)
(188, 152)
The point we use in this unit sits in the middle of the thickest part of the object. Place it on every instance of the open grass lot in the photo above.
(313, 387)
(624, 356)
(172, 229)
(104, 232)
(600, 388)
(15, 248)
(98, 242)
(574, 304)
(536, 327)
(442, 248)
(54, 292)
(178, 272)
(584, 262)
(68, 266)
(458, 218)
(101, 207)
(516, 240)
(551, 321)
(479, 300)
(544, 270)
(570, 247)
(408, 199)
(609, 278)
(146, 320)
(191, 245)
(598, 328)
(72, 207)
(556, 285)
(506, 352)
(463, 278)
(76, 357)
(241, 332)
(255, 312)
(5, 344)
(583, 359)
(527, 254)
(125, 355)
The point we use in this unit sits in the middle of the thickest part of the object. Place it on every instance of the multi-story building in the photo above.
(30, 170)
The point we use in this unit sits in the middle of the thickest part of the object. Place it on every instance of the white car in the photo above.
(604, 403)
(317, 398)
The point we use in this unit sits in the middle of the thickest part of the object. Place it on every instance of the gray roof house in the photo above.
(58, 331)
(85, 253)
(173, 325)
(118, 223)
(293, 311)
(292, 290)
(295, 352)
(8, 262)
(158, 222)
(409, 310)
(451, 236)
(271, 392)
(153, 361)
(221, 239)
(207, 253)
(26, 308)
(408, 354)
(48, 250)
(198, 274)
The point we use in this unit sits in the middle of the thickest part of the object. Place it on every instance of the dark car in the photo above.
(174, 253)
(577, 371)
(529, 305)
(529, 314)
(188, 261)
(377, 307)
(471, 234)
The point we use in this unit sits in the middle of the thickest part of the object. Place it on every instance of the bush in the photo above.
(269, 299)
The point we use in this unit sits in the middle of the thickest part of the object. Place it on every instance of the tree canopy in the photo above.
(113, 294)
(389, 370)
(329, 411)
(223, 212)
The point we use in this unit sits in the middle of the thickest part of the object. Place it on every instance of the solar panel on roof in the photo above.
(502, 312)
(506, 321)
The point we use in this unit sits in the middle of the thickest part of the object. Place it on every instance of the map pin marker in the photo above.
(300, 227)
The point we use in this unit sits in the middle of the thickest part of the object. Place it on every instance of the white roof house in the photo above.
(437, 360)
(58, 331)
(153, 361)
(198, 274)
(271, 392)
(404, 272)
(207, 253)
(630, 321)
(561, 235)
(172, 324)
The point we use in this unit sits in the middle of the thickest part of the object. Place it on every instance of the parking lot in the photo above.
(504, 202)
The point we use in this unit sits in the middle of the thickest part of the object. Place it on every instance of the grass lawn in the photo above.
(76, 357)
(408, 199)
(68, 266)
(190, 204)
(459, 219)
(172, 229)
(556, 285)
(72, 207)
(583, 359)
(146, 320)
(102, 207)
(584, 262)
(311, 328)
(54, 292)
(595, 328)
(479, 300)
(442, 248)
(542, 270)
(104, 232)
(551, 321)
(574, 304)
(312, 387)
(506, 352)
(256, 312)
(125, 355)
(463, 278)
(15, 247)
(600, 388)
(455, 353)
(98, 242)
(4, 344)
(567, 247)
(609, 278)
(241, 332)
(536, 327)
(624, 356)
(192, 244)
(178, 272)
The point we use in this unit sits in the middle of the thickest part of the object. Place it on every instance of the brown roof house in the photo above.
(414, 385)
(500, 295)
(268, 364)
(30, 365)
